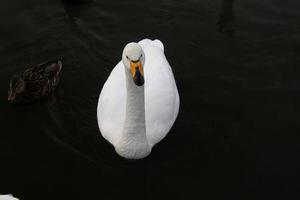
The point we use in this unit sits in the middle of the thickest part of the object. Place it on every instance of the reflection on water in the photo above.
(226, 19)
(73, 7)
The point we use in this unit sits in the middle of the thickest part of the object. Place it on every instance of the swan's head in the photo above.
(134, 58)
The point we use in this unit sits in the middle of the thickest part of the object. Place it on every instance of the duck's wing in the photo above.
(40, 71)
(161, 95)
(111, 104)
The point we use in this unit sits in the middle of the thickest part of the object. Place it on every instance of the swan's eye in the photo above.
(127, 57)
(141, 55)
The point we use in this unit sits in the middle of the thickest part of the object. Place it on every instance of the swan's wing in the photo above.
(161, 95)
(111, 105)
(7, 197)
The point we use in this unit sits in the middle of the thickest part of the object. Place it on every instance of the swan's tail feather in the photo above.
(158, 43)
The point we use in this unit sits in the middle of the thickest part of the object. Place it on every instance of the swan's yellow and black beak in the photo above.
(137, 72)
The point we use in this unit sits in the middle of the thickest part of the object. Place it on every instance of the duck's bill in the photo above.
(137, 73)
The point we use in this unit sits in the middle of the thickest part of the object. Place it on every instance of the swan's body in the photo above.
(134, 117)
(7, 197)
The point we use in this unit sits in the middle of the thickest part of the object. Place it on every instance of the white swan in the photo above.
(7, 197)
(139, 102)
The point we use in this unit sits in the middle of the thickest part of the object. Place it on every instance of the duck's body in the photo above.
(134, 118)
(34, 83)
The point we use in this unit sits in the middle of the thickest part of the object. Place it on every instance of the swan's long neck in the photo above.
(135, 108)
(133, 143)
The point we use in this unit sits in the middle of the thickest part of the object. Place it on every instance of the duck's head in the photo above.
(52, 67)
(134, 58)
(16, 88)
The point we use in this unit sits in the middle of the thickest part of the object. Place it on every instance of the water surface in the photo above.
(237, 131)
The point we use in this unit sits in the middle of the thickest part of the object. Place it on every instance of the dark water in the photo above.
(236, 65)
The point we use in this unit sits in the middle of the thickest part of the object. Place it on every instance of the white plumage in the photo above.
(7, 197)
(161, 102)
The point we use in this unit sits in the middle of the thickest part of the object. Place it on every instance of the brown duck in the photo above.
(34, 83)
